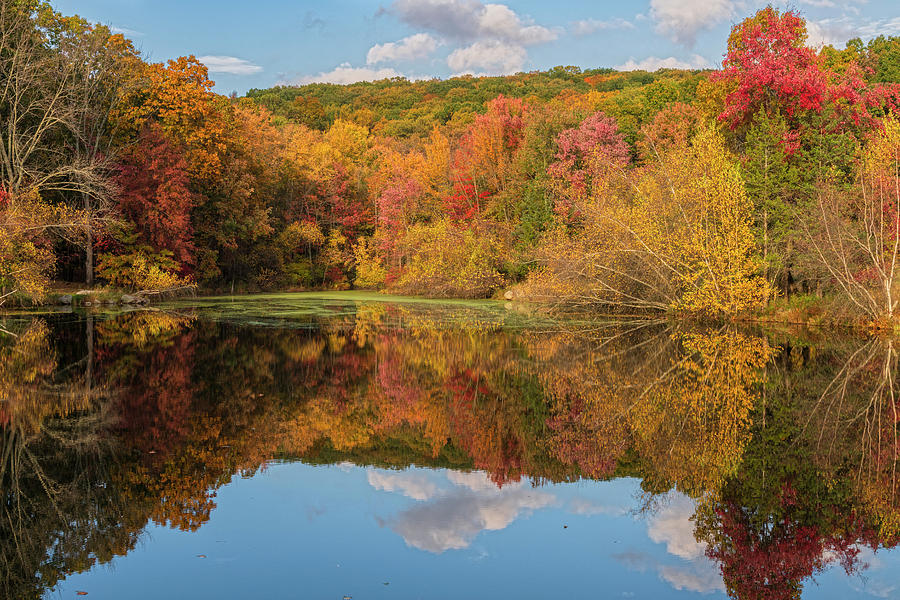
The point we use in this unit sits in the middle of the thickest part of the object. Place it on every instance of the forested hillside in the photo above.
(708, 192)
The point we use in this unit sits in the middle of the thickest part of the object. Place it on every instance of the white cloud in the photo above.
(882, 27)
(591, 26)
(682, 20)
(229, 64)
(345, 73)
(412, 485)
(490, 58)
(413, 47)
(471, 20)
(829, 31)
(836, 31)
(494, 37)
(125, 31)
(653, 63)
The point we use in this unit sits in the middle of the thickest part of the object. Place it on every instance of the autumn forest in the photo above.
(766, 188)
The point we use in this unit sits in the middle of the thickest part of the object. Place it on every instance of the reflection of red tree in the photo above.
(480, 426)
(403, 391)
(154, 411)
(771, 561)
(584, 436)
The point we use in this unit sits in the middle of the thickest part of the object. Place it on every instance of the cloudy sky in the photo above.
(268, 42)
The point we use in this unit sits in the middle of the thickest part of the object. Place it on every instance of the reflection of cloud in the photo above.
(452, 521)
(871, 585)
(580, 506)
(700, 576)
(672, 526)
(452, 518)
(636, 561)
(477, 481)
(412, 485)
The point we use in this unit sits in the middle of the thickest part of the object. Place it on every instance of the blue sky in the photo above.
(268, 42)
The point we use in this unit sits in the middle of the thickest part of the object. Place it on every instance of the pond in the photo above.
(359, 446)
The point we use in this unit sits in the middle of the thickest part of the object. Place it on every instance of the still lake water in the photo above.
(351, 446)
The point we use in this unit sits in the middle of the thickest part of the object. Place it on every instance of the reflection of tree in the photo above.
(681, 400)
(164, 410)
(850, 425)
(54, 518)
(801, 498)
(692, 424)
(769, 558)
(590, 379)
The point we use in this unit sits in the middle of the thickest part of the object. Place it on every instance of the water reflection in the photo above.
(764, 458)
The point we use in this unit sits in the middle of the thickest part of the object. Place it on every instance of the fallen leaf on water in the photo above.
(81, 593)
(201, 556)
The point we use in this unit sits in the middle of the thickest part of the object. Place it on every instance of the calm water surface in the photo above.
(351, 446)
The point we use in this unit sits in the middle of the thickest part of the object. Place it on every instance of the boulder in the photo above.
(65, 299)
(509, 295)
(83, 293)
(129, 299)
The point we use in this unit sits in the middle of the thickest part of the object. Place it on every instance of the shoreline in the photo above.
(798, 312)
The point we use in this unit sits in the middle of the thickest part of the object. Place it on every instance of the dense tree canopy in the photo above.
(708, 192)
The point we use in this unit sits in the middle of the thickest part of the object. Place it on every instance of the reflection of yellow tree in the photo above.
(692, 425)
(28, 393)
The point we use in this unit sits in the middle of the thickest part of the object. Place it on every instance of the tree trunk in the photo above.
(88, 245)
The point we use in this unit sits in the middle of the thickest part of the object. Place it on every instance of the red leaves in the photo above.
(587, 154)
(584, 150)
(397, 203)
(465, 203)
(156, 194)
(771, 66)
(4, 198)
